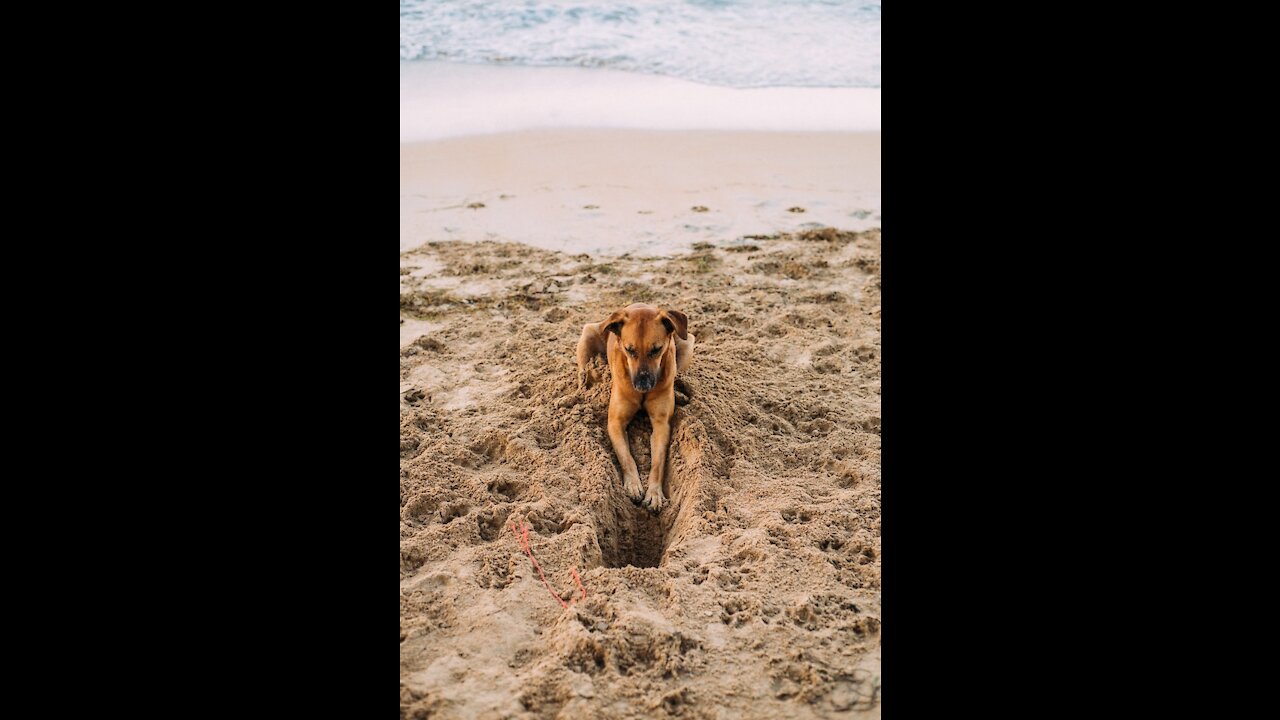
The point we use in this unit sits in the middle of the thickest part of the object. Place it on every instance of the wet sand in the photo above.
(619, 191)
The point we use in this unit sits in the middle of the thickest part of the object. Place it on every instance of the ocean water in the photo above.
(727, 43)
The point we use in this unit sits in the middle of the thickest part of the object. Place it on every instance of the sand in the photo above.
(756, 592)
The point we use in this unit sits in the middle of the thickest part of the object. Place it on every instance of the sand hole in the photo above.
(628, 533)
(635, 538)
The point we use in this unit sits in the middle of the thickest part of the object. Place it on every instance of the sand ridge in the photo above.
(754, 593)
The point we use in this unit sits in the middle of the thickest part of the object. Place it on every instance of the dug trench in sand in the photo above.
(754, 594)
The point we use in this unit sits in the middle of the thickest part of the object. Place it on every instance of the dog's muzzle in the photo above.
(643, 381)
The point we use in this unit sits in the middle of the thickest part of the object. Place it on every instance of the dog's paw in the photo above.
(654, 500)
(633, 488)
(584, 379)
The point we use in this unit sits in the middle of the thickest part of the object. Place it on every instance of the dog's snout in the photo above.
(643, 381)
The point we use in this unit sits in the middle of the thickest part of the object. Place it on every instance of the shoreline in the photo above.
(441, 100)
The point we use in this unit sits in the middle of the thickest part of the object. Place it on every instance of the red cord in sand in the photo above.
(522, 537)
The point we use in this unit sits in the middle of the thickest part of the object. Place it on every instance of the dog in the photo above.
(645, 347)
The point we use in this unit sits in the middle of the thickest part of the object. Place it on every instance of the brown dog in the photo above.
(645, 347)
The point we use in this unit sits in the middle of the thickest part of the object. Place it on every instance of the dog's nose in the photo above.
(644, 381)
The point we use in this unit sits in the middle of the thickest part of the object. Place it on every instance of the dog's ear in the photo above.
(676, 322)
(615, 321)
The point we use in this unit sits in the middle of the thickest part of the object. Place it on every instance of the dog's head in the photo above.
(645, 334)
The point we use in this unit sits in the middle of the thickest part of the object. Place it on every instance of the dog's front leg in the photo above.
(620, 413)
(660, 417)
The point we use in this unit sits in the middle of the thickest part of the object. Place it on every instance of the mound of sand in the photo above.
(754, 593)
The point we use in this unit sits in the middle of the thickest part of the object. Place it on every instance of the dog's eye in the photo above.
(631, 351)
(655, 352)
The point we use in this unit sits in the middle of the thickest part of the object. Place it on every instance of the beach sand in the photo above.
(756, 592)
